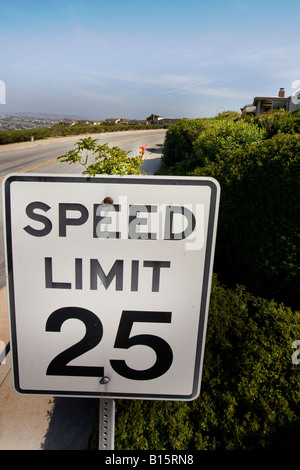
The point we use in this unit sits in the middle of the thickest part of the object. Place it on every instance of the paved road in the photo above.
(37, 422)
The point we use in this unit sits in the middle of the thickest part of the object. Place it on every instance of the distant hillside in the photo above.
(56, 117)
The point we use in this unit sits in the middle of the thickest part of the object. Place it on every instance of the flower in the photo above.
(143, 149)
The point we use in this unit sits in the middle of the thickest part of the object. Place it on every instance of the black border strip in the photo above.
(212, 222)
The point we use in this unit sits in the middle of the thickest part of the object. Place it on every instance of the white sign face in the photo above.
(109, 299)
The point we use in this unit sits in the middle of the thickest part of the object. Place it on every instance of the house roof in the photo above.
(269, 98)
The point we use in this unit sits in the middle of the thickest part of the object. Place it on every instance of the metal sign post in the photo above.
(106, 424)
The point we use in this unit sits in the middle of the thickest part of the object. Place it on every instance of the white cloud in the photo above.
(173, 82)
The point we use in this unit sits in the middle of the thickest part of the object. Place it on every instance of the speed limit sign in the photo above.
(109, 283)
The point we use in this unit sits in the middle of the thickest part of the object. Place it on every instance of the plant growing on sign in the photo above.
(107, 160)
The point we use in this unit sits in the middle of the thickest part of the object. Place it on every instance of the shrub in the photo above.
(232, 115)
(23, 135)
(195, 143)
(279, 120)
(250, 394)
(220, 138)
(179, 140)
(258, 230)
(8, 137)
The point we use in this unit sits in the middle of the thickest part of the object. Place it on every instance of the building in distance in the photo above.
(263, 104)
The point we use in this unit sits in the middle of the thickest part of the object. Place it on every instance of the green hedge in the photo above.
(250, 395)
(196, 142)
(256, 161)
(279, 120)
(221, 138)
(259, 221)
(180, 138)
(9, 137)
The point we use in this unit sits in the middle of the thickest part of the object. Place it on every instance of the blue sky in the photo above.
(130, 58)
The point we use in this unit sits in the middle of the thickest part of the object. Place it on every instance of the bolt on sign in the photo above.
(109, 282)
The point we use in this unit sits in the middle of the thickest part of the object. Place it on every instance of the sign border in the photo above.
(206, 284)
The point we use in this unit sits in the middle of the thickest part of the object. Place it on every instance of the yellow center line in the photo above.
(33, 167)
(55, 159)
(37, 166)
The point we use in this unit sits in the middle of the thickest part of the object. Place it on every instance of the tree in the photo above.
(107, 160)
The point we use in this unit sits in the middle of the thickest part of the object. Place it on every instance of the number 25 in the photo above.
(93, 336)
